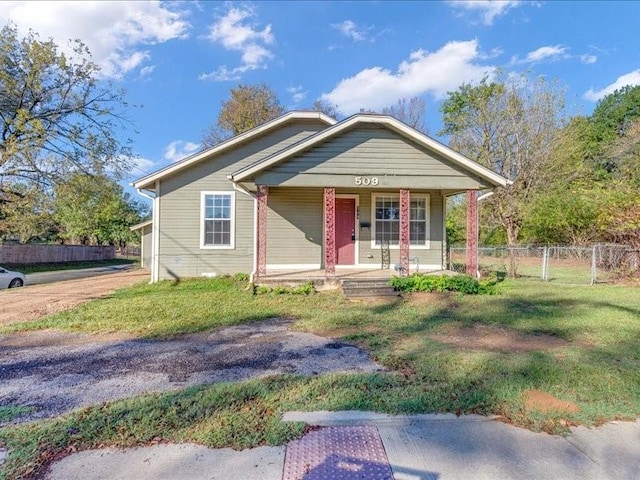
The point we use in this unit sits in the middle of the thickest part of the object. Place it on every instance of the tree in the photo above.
(327, 108)
(411, 112)
(25, 214)
(563, 215)
(92, 209)
(248, 107)
(55, 116)
(611, 120)
(510, 126)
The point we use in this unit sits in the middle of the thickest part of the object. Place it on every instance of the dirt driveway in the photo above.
(52, 372)
(31, 302)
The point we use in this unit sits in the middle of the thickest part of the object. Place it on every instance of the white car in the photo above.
(9, 279)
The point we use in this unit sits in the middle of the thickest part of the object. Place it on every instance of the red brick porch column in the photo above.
(262, 196)
(330, 231)
(472, 233)
(405, 238)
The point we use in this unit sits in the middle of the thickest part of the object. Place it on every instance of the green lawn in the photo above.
(50, 267)
(595, 363)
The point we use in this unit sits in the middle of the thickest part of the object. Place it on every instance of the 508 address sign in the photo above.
(366, 181)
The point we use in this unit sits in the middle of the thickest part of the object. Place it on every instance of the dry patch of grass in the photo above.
(495, 339)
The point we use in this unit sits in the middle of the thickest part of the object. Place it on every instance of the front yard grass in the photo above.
(586, 350)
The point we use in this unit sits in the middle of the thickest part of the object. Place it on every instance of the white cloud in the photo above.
(146, 71)
(588, 58)
(113, 31)
(424, 72)
(489, 10)
(546, 53)
(353, 31)
(235, 32)
(297, 93)
(631, 78)
(178, 149)
(139, 166)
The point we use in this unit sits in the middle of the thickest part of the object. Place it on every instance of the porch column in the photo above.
(330, 231)
(472, 233)
(262, 196)
(405, 238)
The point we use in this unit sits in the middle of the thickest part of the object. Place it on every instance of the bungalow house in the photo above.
(304, 192)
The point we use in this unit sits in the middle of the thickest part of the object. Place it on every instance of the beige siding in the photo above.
(294, 226)
(180, 254)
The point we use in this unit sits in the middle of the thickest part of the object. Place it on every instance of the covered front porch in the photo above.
(366, 191)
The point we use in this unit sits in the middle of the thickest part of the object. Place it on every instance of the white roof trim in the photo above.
(231, 143)
(139, 226)
(388, 121)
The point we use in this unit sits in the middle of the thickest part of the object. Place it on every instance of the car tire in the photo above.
(15, 283)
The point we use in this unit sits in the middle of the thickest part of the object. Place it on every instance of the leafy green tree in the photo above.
(510, 126)
(55, 116)
(616, 112)
(25, 214)
(248, 107)
(563, 216)
(92, 209)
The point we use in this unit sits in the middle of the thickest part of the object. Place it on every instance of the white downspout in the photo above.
(242, 189)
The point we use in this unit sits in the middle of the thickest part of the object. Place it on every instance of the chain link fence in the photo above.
(558, 263)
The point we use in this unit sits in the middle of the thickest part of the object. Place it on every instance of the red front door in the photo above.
(345, 231)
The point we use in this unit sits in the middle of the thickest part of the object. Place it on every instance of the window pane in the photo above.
(217, 220)
(418, 233)
(387, 208)
(418, 209)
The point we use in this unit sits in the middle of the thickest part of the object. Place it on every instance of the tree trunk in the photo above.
(513, 230)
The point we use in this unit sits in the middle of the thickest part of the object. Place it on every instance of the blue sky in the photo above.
(178, 60)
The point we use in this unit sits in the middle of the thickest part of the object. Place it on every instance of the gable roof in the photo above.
(229, 144)
(383, 120)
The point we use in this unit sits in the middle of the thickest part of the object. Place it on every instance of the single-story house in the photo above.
(305, 192)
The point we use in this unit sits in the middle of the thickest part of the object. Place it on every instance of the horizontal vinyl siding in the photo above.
(369, 151)
(180, 219)
(430, 256)
(146, 246)
(294, 226)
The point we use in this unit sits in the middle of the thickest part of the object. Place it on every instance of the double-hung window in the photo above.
(386, 220)
(217, 228)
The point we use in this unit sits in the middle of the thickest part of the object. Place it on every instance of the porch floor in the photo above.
(320, 279)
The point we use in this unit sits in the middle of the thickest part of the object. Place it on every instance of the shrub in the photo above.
(443, 283)
(304, 289)
(241, 277)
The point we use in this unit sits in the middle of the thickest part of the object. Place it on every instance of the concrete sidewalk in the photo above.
(422, 447)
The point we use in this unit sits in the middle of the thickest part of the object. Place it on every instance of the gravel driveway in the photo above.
(36, 301)
(55, 372)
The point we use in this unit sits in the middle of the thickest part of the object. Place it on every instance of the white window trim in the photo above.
(425, 196)
(232, 244)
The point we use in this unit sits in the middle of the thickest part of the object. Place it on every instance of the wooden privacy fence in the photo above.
(36, 253)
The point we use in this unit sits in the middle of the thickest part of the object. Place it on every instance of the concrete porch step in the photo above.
(365, 283)
(367, 288)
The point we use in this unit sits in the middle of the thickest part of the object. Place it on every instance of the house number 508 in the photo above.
(366, 181)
